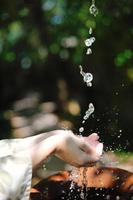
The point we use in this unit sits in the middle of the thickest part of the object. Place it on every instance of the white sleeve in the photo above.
(15, 174)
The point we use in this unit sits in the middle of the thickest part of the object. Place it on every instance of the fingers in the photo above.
(99, 149)
(93, 136)
(77, 150)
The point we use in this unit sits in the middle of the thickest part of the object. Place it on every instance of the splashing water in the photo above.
(90, 31)
(87, 77)
(84, 189)
(90, 41)
(89, 51)
(93, 9)
(87, 115)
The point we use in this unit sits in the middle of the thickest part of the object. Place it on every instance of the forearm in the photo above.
(42, 150)
(29, 142)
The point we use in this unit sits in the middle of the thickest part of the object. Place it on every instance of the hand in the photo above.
(77, 150)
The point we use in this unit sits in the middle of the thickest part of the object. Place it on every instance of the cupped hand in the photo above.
(95, 148)
(79, 151)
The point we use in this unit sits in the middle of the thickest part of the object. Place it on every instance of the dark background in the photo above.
(41, 47)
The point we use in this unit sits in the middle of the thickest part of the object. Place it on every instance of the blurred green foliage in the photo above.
(42, 42)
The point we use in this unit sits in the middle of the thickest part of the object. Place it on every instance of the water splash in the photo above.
(73, 175)
(87, 115)
(83, 193)
(93, 9)
(90, 41)
(90, 31)
(81, 129)
(87, 77)
(89, 51)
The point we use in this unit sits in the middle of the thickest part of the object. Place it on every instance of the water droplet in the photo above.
(44, 167)
(108, 197)
(90, 31)
(93, 39)
(89, 41)
(93, 10)
(82, 195)
(91, 108)
(81, 129)
(119, 136)
(89, 84)
(85, 117)
(88, 77)
(89, 51)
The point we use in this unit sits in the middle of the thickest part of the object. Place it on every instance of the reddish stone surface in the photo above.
(101, 183)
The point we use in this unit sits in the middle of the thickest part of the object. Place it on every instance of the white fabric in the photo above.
(15, 172)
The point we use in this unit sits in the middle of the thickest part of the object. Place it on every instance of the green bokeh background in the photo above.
(35, 57)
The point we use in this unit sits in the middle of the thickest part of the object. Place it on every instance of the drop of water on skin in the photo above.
(44, 167)
(89, 51)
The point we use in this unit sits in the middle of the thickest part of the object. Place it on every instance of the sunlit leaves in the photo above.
(24, 12)
(123, 57)
(15, 32)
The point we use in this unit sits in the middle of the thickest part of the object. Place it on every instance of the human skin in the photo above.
(75, 150)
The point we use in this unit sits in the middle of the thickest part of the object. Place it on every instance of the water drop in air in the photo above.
(90, 31)
(90, 41)
(93, 10)
(81, 129)
(88, 77)
(89, 51)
